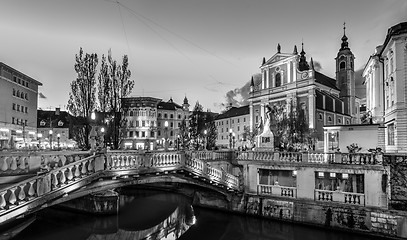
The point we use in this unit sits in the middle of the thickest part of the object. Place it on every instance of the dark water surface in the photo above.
(161, 215)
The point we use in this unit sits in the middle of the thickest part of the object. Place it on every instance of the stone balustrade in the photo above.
(277, 190)
(53, 183)
(33, 188)
(297, 157)
(338, 196)
(31, 162)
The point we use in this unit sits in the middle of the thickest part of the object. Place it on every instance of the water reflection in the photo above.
(161, 215)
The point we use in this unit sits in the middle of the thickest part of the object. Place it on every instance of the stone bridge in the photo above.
(68, 177)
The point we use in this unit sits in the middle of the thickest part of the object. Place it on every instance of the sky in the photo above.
(201, 49)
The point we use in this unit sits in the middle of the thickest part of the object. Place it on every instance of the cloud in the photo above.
(41, 95)
(238, 96)
(317, 66)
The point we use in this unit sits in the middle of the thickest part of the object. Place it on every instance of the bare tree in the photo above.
(81, 101)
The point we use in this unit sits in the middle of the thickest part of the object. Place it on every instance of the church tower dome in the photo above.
(345, 76)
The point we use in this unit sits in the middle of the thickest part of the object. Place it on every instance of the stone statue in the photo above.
(265, 139)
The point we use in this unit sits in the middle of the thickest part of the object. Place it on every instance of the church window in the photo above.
(347, 122)
(342, 65)
(339, 120)
(351, 64)
(278, 79)
(320, 117)
(329, 119)
(131, 113)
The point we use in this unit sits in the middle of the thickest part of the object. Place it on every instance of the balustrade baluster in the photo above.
(70, 174)
(90, 165)
(22, 163)
(62, 177)
(13, 165)
(12, 198)
(83, 169)
(127, 163)
(31, 190)
(77, 172)
(4, 165)
(21, 194)
(3, 202)
(54, 180)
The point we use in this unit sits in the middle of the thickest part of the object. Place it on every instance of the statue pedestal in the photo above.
(265, 141)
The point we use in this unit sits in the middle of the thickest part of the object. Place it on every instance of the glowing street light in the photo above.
(50, 138)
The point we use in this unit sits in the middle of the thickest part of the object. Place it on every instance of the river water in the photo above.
(146, 214)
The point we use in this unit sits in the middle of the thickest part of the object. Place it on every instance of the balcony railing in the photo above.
(342, 197)
(277, 190)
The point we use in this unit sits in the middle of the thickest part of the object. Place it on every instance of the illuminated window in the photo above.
(278, 79)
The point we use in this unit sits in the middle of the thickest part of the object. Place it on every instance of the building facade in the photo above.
(150, 122)
(53, 130)
(289, 80)
(230, 127)
(141, 122)
(169, 120)
(18, 108)
(385, 77)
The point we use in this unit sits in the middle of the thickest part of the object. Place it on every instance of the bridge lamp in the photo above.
(230, 138)
(58, 137)
(166, 135)
(102, 130)
(93, 116)
(50, 138)
(206, 140)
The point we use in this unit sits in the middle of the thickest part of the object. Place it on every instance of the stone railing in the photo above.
(32, 162)
(342, 197)
(211, 155)
(361, 158)
(50, 184)
(23, 195)
(277, 190)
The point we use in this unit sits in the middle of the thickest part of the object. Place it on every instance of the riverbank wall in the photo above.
(366, 220)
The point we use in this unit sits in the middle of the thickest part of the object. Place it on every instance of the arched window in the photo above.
(342, 65)
(320, 117)
(278, 80)
(329, 119)
(339, 120)
(131, 113)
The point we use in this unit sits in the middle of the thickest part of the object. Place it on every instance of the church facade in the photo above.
(289, 80)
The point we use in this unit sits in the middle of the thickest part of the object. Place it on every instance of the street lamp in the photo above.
(233, 141)
(178, 139)
(332, 140)
(205, 132)
(230, 138)
(166, 135)
(58, 137)
(102, 130)
(39, 136)
(50, 139)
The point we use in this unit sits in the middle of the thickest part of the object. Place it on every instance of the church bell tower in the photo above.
(345, 76)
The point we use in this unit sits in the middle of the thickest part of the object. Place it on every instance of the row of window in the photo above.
(166, 116)
(19, 94)
(143, 123)
(232, 121)
(18, 121)
(20, 81)
(143, 134)
(329, 118)
(20, 108)
(142, 113)
(227, 129)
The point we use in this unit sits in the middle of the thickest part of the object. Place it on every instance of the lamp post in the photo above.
(332, 140)
(92, 135)
(58, 138)
(166, 135)
(39, 136)
(230, 138)
(102, 130)
(50, 139)
(206, 140)
(178, 139)
(233, 140)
